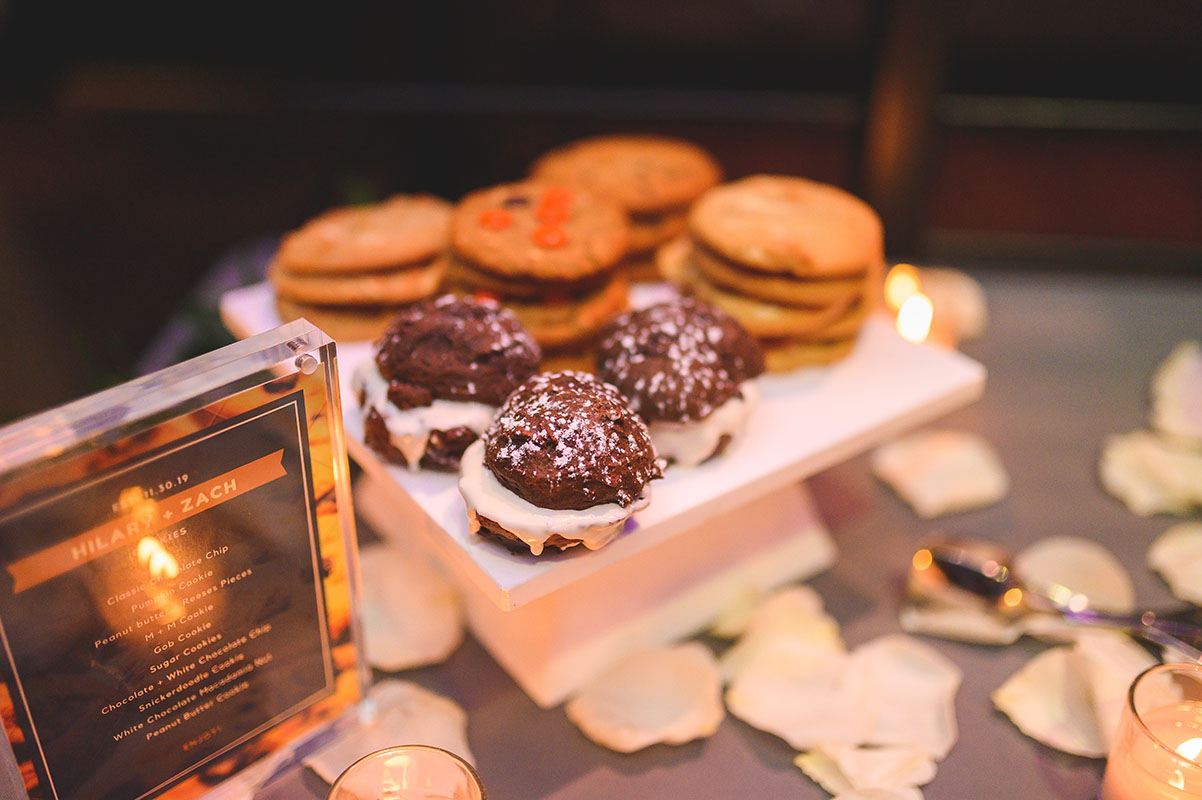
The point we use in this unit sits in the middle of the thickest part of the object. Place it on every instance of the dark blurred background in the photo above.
(140, 143)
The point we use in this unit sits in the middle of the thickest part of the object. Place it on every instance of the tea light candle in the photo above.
(409, 772)
(943, 306)
(1157, 752)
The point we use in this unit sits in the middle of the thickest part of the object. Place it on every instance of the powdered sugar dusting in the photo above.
(678, 361)
(497, 328)
(569, 433)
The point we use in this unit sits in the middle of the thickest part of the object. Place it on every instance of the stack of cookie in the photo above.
(793, 260)
(548, 252)
(350, 269)
(653, 178)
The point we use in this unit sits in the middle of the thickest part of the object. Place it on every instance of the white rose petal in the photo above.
(404, 713)
(1177, 555)
(804, 694)
(914, 689)
(942, 472)
(1070, 697)
(1177, 394)
(412, 614)
(960, 623)
(839, 768)
(1071, 565)
(794, 611)
(664, 694)
(1152, 475)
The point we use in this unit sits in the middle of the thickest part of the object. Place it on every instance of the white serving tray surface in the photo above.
(807, 420)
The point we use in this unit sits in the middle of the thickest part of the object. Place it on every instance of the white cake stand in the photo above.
(741, 523)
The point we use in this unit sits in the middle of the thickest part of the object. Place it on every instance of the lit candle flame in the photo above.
(914, 318)
(901, 284)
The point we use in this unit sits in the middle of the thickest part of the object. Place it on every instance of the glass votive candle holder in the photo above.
(1157, 750)
(409, 772)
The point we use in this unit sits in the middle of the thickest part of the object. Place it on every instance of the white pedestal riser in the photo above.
(555, 643)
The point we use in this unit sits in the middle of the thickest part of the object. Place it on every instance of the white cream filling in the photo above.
(483, 494)
(409, 429)
(690, 443)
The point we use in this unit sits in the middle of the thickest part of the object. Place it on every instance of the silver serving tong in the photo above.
(982, 569)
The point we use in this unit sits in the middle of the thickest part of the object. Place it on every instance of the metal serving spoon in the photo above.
(982, 570)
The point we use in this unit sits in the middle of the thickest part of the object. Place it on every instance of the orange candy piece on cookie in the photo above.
(497, 219)
(554, 209)
(549, 237)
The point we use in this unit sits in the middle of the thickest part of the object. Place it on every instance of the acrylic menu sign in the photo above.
(175, 598)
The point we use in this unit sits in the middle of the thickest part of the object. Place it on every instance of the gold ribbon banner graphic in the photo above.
(149, 517)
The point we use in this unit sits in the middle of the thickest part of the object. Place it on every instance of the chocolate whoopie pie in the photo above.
(439, 372)
(564, 462)
(686, 368)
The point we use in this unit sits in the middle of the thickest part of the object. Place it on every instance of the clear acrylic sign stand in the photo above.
(178, 579)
